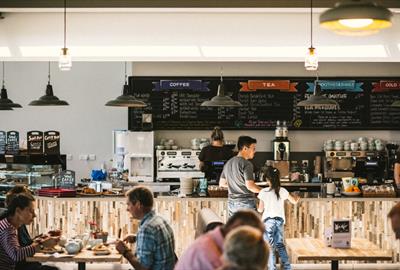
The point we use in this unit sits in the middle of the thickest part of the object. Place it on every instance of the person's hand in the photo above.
(130, 239)
(121, 247)
(49, 242)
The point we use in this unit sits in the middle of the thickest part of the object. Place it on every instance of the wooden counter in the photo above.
(306, 219)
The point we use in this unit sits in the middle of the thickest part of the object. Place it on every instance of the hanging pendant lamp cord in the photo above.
(49, 73)
(65, 23)
(3, 75)
(311, 24)
(126, 76)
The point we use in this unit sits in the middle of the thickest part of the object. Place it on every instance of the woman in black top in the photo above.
(217, 151)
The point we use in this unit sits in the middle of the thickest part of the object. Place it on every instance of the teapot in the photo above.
(73, 246)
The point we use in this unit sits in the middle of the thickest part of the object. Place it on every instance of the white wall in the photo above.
(86, 124)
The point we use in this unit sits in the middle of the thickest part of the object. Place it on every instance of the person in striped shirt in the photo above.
(20, 211)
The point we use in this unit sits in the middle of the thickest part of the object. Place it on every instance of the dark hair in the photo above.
(217, 134)
(394, 211)
(245, 141)
(14, 191)
(143, 195)
(272, 174)
(21, 201)
(245, 217)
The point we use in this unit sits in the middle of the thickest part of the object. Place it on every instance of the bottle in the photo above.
(284, 130)
(278, 130)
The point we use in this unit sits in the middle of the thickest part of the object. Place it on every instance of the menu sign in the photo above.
(66, 179)
(3, 142)
(35, 142)
(12, 142)
(174, 103)
(52, 142)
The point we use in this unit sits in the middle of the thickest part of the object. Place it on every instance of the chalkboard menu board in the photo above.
(12, 142)
(66, 179)
(174, 103)
(3, 142)
(52, 142)
(35, 142)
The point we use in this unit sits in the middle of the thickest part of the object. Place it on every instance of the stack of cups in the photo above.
(186, 186)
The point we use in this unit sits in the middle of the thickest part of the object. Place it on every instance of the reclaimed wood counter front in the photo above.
(308, 218)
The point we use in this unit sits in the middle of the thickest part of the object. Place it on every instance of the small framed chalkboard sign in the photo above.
(66, 179)
(3, 142)
(12, 142)
(35, 142)
(52, 142)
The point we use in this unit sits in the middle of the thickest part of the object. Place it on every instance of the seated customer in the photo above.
(245, 249)
(20, 211)
(205, 252)
(155, 239)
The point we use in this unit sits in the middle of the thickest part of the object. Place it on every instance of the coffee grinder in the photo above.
(281, 149)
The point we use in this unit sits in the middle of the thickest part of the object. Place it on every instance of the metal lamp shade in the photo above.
(5, 102)
(380, 18)
(220, 100)
(126, 100)
(49, 99)
(396, 104)
(318, 101)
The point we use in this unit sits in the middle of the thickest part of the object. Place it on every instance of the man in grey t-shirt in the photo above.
(238, 177)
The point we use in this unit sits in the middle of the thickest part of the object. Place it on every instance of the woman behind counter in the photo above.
(217, 151)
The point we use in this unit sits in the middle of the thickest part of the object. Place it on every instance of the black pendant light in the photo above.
(396, 104)
(5, 103)
(49, 99)
(317, 100)
(220, 100)
(356, 17)
(127, 99)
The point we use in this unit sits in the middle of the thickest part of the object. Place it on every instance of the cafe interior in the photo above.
(99, 97)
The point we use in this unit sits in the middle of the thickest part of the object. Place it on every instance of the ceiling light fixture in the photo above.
(6, 103)
(317, 100)
(220, 100)
(49, 99)
(65, 61)
(127, 99)
(311, 61)
(356, 17)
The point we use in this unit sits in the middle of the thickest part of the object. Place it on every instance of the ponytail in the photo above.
(272, 174)
(217, 134)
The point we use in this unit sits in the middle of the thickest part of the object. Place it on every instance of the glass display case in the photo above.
(35, 171)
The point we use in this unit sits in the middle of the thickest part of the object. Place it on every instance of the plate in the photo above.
(102, 252)
(88, 194)
(351, 193)
(52, 250)
(113, 195)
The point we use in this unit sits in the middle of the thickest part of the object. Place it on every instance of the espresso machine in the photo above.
(281, 149)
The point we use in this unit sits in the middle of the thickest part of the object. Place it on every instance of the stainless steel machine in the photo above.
(176, 164)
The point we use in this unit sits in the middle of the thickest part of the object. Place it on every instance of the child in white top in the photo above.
(272, 201)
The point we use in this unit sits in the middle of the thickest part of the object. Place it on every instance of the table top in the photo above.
(315, 249)
(83, 256)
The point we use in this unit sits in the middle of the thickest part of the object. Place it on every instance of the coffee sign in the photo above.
(12, 142)
(35, 142)
(52, 142)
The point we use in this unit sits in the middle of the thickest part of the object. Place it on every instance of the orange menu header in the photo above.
(281, 85)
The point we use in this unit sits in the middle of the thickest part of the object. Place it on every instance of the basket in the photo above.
(217, 192)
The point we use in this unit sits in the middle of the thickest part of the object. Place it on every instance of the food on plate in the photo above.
(54, 233)
(352, 189)
(88, 190)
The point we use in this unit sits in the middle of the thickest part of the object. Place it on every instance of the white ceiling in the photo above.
(209, 35)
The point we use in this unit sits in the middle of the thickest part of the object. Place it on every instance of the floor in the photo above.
(69, 266)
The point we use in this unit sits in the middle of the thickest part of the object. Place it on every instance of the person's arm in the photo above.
(223, 183)
(251, 185)
(260, 207)
(293, 198)
(13, 250)
(397, 173)
(128, 255)
(201, 166)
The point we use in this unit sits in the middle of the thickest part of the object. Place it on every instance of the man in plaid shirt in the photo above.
(155, 238)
